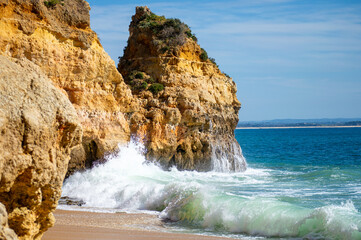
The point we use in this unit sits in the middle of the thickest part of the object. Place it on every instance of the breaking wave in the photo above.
(212, 201)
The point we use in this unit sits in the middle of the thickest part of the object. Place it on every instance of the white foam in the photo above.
(256, 172)
(127, 183)
(221, 158)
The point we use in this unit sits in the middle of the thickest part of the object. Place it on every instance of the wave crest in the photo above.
(126, 182)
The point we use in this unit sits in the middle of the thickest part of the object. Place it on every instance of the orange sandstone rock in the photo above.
(59, 40)
(172, 98)
(38, 128)
(191, 122)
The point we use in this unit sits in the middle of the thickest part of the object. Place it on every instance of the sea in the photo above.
(300, 183)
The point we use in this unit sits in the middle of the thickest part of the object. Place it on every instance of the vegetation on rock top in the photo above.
(53, 3)
(160, 36)
(204, 55)
(169, 32)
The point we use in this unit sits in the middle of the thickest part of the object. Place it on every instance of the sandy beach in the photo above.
(106, 226)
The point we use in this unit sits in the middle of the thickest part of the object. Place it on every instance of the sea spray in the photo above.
(222, 161)
(212, 201)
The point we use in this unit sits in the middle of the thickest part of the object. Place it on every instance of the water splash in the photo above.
(227, 157)
(126, 182)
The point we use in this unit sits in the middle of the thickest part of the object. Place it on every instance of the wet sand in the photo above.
(106, 226)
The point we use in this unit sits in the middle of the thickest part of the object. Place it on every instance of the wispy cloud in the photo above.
(285, 44)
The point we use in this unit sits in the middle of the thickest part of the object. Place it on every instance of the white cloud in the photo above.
(296, 52)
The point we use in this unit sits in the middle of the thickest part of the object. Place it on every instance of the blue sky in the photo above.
(289, 59)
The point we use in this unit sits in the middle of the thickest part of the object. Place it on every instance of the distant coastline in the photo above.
(286, 127)
(301, 123)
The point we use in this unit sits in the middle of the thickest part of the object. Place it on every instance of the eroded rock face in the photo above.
(190, 123)
(38, 128)
(59, 40)
(177, 102)
(5, 232)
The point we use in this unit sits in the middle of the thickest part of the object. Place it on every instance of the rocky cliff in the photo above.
(55, 78)
(38, 127)
(187, 124)
(57, 37)
(5, 232)
(189, 108)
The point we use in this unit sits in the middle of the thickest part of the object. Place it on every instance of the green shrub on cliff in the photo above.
(156, 87)
(204, 55)
(140, 81)
(191, 35)
(138, 85)
(153, 22)
(150, 80)
(52, 3)
(169, 32)
(136, 75)
(144, 85)
(139, 75)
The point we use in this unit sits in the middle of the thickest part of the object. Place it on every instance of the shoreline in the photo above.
(298, 127)
(110, 226)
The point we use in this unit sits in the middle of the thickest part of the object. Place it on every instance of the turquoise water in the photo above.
(309, 167)
(299, 184)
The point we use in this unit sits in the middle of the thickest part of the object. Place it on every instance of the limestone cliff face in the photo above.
(59, 40)
(187, 124)
(173, 98)
(190, 123)
(38, 128)
(5, 232)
